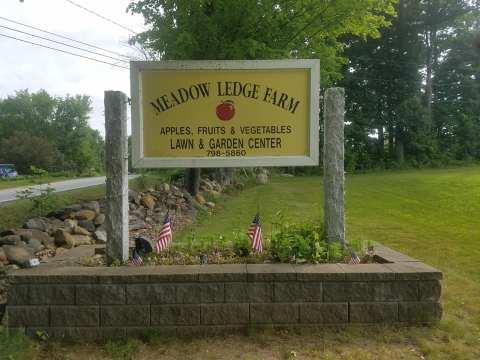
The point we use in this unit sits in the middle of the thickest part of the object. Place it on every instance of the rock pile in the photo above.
(84, 224)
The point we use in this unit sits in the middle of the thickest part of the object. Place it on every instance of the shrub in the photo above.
(302, 243)
(38, 171)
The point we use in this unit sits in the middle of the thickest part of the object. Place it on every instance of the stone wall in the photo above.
(93, 303)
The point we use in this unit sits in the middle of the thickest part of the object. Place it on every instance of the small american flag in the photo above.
(165, 237)
(136, 258)
(255, 234)
(354, 259)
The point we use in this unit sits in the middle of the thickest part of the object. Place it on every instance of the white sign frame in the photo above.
(140, 161)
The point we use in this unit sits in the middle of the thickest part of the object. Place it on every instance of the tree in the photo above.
(381, 78)
(457, 90)
(412, 92)
(27, 112)
(61, 122)
(437, 17)
(73, 135)
(246, 29)
(25, 150)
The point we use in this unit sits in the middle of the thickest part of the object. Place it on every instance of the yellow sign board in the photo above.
(226, 113)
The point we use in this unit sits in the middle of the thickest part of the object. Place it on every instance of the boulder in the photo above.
(206, 184)
(64, 239)
(69, 225)
(101, 236)
(35, 245)
(92, 205)
(137, 224)
(210, 204)
(262, 179)
(187, 196)
(164, 187)
(18, 254)
(56, 223)
(28, 234)
(67, 214)
(87, 225)
(200, 199)
(73, 208)
(149, 201)
(85, 214)
(39, 223)
(3, 257)
(78, 230)
(49, 243)
(171, 203)
(82, 240)
(10, 240)
(214, 194)
(7, 232)
(139, 213)
(100, 219)
(133, 197)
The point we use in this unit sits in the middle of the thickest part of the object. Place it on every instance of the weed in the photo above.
(124, 350)
(15, 346)
(42, 203)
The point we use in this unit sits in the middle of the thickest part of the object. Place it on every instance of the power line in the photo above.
(63, 51)
(101, 16)
(62, 36)
(62, 43)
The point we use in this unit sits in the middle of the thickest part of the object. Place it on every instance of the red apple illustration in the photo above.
(225, 110)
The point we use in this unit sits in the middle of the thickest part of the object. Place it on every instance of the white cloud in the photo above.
(27, 66)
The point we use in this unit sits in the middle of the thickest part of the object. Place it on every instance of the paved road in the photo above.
(10, 194)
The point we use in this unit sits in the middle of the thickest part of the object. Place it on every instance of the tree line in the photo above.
(410, 68)
(413, 94)
(49, 132)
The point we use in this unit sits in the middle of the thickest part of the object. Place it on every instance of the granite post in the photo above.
(116, 153)
(333, 167)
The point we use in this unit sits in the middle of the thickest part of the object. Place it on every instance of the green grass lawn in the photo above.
(432, 215)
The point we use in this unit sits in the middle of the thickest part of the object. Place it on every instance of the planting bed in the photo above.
(100, 302)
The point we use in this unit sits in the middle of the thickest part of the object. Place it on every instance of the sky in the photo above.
(25, 66)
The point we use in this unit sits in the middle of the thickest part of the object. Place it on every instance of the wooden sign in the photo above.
(225, 113)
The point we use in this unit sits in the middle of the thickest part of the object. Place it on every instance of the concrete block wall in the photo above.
(94, 303)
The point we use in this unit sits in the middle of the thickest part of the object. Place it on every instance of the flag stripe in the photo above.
(255, 234)
(165, 237)
(136, 258)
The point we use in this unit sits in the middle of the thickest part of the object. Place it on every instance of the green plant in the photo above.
(42, 203)
(38, 171)
(123, 349)
(15, 346)
(359, 245)
(142, 182)
(241, 243)
(302, 243)
(41, 335)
